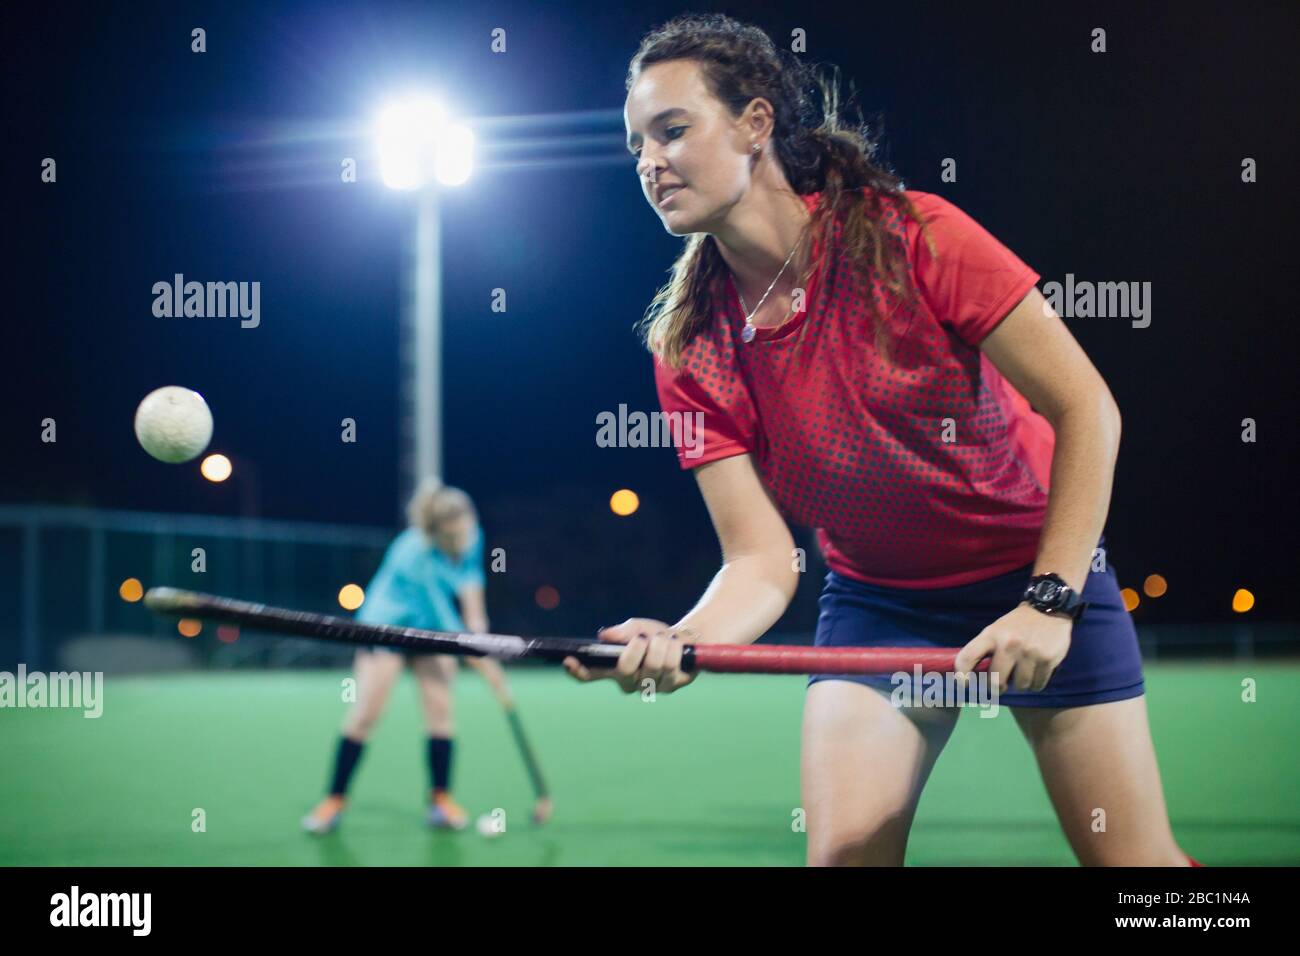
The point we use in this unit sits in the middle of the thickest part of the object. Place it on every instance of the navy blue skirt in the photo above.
(1103, 663)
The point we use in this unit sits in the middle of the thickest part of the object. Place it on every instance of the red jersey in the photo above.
(927, 470)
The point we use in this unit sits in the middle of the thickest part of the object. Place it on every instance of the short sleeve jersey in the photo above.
(923, 470)
(416, 584)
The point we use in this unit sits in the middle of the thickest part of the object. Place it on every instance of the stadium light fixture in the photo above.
(418, 144)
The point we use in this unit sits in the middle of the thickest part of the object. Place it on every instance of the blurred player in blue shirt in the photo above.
(431, 577)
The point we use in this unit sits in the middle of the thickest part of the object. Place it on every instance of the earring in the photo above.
(754, 147)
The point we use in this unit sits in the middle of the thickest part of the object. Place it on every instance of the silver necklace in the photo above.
(748, 332)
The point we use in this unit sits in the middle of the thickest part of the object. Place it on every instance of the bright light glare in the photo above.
(351, 597)
(624, 502)
(455, 155)
(216, 468)
(416, 142)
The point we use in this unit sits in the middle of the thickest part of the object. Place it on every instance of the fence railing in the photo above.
(61, 568)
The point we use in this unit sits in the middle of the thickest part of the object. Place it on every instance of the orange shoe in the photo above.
(446, 814)
(325, 817)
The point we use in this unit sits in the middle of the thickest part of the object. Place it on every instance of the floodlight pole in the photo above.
(422, 348)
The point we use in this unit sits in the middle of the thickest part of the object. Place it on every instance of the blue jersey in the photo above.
(416, 584)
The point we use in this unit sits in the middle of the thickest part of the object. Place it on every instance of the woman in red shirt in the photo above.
(868, 361)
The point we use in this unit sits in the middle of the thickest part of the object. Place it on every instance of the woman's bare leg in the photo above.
(435, 674)
(864, 764)
(375, 674)
(1099, 767)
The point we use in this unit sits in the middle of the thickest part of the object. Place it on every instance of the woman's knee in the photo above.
(439, 714)
(365, 714)
(374, 682)
(1098, 850)
(359, 723)
(882, 842)
(440, 728)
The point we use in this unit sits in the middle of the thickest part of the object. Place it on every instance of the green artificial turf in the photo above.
(709, 776)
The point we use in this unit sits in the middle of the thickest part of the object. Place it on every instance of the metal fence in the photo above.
(61, 571)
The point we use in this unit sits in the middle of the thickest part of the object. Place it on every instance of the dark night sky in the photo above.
(1121, 167)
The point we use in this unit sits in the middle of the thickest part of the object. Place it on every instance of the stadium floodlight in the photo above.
(417, 144)
(419, 148)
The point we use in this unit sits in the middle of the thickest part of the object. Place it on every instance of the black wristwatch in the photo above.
(1050, 594)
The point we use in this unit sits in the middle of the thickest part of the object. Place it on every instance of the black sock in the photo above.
(440, 762)
(345, 761)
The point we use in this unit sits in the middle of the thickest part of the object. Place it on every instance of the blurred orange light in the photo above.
(1130, 597)
(216, 468)
(189, 627)
(547, 598)
(351, 597)
(624, 502)
(1154, 586)
(1242, 601)
(131, 590)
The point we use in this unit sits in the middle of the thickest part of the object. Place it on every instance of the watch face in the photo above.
(1047, 591)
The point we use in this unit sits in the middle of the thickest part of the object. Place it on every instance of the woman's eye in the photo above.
(636, 153)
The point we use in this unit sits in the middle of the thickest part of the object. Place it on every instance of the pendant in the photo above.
(747, 333)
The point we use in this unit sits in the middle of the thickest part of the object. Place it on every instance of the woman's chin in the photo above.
(675, 224)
